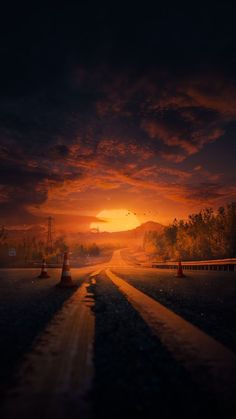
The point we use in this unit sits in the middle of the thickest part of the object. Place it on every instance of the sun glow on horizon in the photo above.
(115, 220)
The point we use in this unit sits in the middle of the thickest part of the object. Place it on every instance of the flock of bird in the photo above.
(144, 213)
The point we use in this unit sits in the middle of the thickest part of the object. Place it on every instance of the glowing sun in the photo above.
(115, 220)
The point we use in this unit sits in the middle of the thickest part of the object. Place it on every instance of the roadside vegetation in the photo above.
(31, 250)
(204, 235)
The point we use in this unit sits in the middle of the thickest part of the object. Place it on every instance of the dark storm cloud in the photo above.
(21, 188)
(88, 88)
(209, 192)
(60, 143)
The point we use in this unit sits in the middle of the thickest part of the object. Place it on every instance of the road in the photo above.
(126, 333)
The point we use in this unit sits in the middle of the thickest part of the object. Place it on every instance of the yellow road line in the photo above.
(59, 370)
(210, 362)
(95, 273)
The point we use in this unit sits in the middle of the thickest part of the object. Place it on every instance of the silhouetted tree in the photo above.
(205, 235)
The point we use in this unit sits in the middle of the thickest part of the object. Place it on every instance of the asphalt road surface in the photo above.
(126, 341)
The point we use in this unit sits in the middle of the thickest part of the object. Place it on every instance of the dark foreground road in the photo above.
(27, 305)
(95, 352)
(204, 299)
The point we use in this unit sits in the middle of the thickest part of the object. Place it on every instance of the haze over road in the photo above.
(125, 332)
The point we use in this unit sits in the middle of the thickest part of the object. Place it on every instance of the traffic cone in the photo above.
(66, 280)
(44, 273)
(180, 273)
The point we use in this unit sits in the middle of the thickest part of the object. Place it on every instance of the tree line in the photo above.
(30, 249)
(207, 234)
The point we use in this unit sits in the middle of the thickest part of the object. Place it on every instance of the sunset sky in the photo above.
(106, 107)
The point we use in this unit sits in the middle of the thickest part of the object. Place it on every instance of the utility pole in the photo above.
(49, 244)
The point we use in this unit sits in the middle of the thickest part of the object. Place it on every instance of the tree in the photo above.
(205, 235)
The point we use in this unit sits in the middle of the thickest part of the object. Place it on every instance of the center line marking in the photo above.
(59, 370)
(208, 361)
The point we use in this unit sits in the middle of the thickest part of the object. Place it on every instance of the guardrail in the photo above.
(208, 265)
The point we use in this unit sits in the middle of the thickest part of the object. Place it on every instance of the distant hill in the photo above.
(121, 238)
(149, 226)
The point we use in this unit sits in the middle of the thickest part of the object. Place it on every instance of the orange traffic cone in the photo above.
(180, 273)
(44, 273)
(66, 280)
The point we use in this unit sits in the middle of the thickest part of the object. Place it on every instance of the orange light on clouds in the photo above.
(116, 220)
